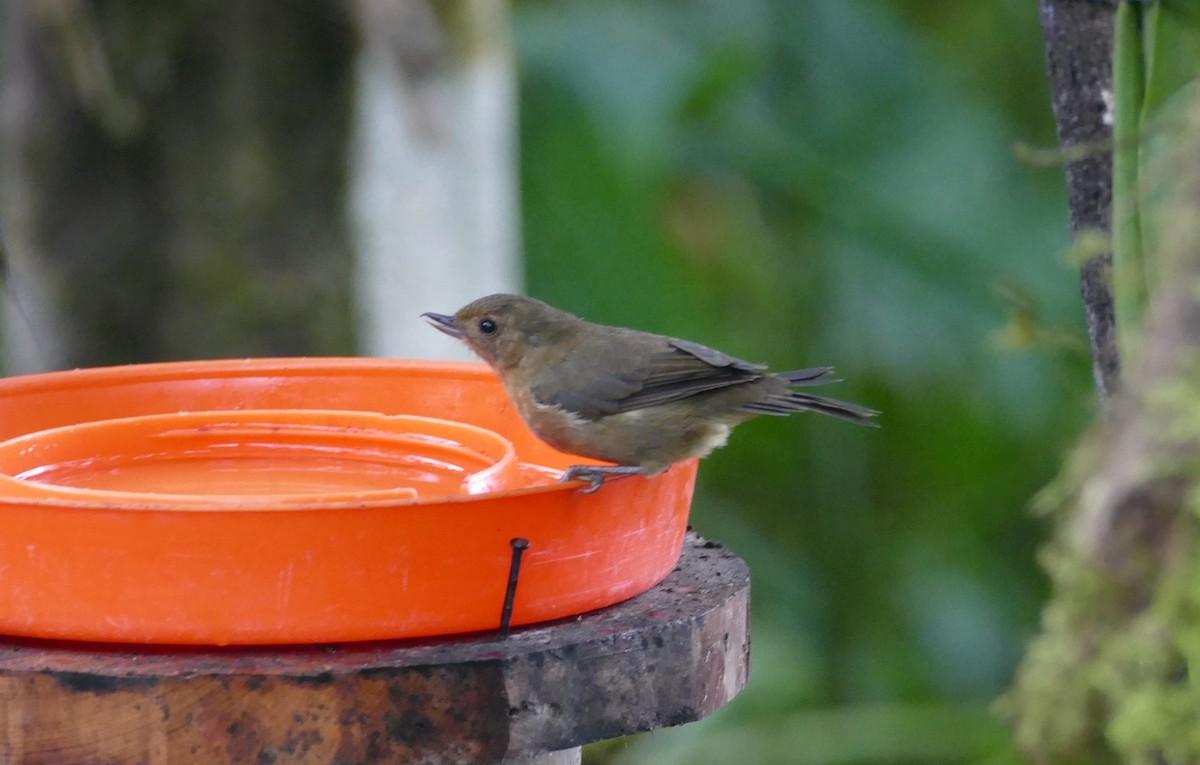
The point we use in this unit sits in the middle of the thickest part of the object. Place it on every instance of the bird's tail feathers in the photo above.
(794, 401)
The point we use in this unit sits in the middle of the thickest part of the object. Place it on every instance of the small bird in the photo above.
(640, 400)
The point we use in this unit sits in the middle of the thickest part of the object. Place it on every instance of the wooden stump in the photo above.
(670, 656)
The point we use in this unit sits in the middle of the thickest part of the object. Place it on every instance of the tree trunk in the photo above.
(174, 180)
(184, 180)
(434, 181)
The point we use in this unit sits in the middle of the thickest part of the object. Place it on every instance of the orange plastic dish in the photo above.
(258, 458)
(253, 502)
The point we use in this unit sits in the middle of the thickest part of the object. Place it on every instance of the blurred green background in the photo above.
(830, 182)
(804, 183)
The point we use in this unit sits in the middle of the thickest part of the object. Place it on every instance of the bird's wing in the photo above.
(658, 371)
(713, 357)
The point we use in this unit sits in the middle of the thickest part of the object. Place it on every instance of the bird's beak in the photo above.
(444, 323)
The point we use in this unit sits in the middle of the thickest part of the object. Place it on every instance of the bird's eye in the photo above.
(487, 326)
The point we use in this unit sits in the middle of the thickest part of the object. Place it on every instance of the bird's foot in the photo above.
(596, 474)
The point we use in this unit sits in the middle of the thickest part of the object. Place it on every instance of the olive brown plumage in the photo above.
(637, 399)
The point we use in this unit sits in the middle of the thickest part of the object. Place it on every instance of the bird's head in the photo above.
(503, 329)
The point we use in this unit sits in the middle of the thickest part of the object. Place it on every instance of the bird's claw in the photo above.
(581, 473)
(596, 474)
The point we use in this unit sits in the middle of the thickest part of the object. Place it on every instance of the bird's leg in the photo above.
(596, 474)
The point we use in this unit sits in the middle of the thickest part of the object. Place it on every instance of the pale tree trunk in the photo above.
(434, 185)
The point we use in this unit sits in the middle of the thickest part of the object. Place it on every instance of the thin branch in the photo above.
(1079, 37)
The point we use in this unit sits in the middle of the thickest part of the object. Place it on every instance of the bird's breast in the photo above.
(564, 430)
(652, 438)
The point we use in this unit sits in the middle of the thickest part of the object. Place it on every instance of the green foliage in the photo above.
(831, 182)
(1156, 57)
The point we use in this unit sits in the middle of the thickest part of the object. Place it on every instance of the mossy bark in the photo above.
(1113, 676)
(174, 178)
